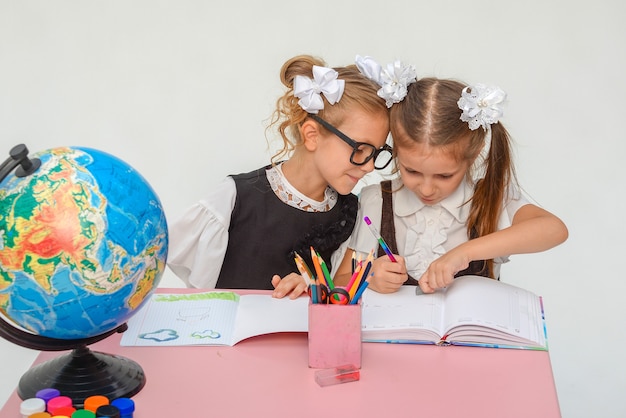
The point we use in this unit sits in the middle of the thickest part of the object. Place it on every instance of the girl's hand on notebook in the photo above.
(441, 272)
(388, 276)
(292, 284)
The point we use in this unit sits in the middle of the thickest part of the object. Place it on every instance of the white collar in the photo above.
(292, 196)
(406, 203)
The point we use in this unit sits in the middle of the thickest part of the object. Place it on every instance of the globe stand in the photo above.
(84, 373)
(80, 373)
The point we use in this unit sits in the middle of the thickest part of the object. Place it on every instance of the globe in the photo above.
(83, 244)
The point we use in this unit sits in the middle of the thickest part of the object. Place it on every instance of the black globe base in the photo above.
(83, 373)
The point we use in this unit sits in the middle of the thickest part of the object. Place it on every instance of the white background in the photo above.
(182, 90)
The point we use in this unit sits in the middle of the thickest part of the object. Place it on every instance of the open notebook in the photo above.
(473, 311)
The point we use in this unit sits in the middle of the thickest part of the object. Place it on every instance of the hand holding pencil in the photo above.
(390, 271)
(292, 284)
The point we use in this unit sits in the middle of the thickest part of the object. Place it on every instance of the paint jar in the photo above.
(65, 411)
(32, 405)
(47, 393)
(83, 413)
(126, 407)
(58, 402)
(40, 415)
(92, 403)
(107, 411)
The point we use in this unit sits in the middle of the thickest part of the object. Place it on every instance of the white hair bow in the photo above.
(310, 91)
(481, 105)
(394, 79)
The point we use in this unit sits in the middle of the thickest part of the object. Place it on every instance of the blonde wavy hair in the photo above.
(359, 92)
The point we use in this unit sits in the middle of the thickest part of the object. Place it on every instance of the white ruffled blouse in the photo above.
(423, 232)
(199, 238)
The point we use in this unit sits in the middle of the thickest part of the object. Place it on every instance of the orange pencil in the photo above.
(360, 277)
(318, 267)
(329, 280)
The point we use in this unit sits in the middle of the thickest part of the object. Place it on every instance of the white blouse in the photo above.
(199, 238)
(423, 232)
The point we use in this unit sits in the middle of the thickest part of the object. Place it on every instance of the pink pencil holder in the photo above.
(334, 335)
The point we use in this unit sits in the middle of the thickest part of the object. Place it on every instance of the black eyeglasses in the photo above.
(361, 152)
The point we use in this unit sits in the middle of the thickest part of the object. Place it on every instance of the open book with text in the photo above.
(474, 311)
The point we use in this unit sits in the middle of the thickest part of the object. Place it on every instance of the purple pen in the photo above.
(380, 239)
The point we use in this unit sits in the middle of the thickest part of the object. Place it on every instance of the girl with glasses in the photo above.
(456, 208)
(245, 235)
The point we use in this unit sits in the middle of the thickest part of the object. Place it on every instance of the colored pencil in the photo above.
(359, 292)
(303, 266)
(380, 239)
(357, 270)
(329, 280)
(303, 270)
(360, 279)
(319, 275)
(362, 274)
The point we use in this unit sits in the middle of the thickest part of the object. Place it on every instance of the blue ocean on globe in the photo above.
(83, 244)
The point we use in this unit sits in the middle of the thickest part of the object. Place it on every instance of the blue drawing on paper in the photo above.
(160, 336)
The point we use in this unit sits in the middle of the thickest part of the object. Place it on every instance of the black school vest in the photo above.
(265, 233)
(388, 232)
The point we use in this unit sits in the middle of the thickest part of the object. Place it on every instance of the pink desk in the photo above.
(269, 376)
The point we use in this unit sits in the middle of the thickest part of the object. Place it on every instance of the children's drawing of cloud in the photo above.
(207, 333)
(160, 336)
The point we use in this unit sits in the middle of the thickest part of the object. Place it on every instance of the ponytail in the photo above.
(492, 190)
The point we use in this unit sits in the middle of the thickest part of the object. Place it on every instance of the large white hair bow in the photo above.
(481, 105)
(310, 91)
(394, 79)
